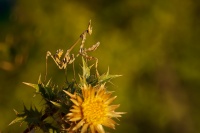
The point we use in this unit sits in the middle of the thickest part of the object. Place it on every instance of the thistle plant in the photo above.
(82, 106)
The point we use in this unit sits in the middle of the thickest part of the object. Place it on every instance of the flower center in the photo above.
(94, 111)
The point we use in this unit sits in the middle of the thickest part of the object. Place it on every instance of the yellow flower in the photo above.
(92, 111)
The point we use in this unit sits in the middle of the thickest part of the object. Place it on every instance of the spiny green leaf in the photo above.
(48, 128)
(31, 112)
(48, 83)
(56, 104)
(35, 86)
(16, 112)
(82, 81)
(86, 69)
(92, 80)
(104, 78)
(18, 119)
(49, 93)
(52, 130)
(39, 80)
(31, 116)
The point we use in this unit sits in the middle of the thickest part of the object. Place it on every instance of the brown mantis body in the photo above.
(70, 58)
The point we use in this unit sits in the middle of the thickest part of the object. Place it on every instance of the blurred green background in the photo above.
(154, 44)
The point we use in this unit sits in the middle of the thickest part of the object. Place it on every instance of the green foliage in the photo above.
(33, 118)
(106, 77)
(93, 80)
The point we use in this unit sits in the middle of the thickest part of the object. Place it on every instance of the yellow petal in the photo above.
(75, 119)
(86, 93)
(75, 102)
(113, 114)
(79, 125)
(75, 107)
(106, 96)
(74, 116)
(109, 123)
(100, 92)
(75, 110)
(71, 95)
(110, 100)
(99, 128)
(92, 128)
(79, 99)
(84, 128)
(113, 107)
(70, 114)
(92, 93)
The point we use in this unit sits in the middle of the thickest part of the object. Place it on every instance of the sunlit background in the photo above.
(154, 44)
